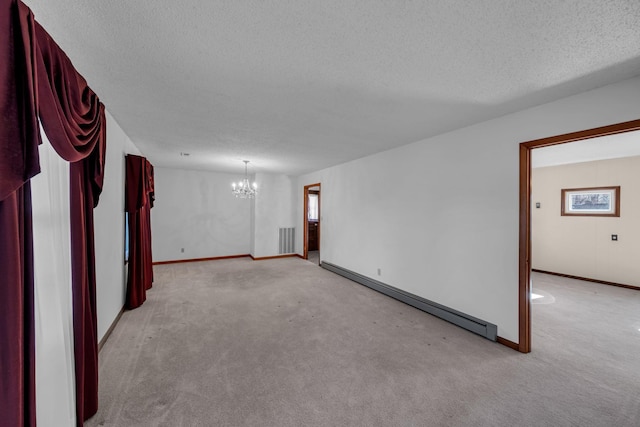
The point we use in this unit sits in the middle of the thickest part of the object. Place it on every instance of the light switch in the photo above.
(614, 237)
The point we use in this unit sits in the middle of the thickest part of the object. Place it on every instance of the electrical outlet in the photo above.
(537, 205)
(614, 237)
(182, 250)
(379, 272)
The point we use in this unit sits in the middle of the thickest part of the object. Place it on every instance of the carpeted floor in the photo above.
(285, 343)
(314, 257)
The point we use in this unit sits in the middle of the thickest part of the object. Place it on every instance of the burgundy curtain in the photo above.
(139, 197)
(74, 120)
(19, 140)
(17, 333)
(37, 78)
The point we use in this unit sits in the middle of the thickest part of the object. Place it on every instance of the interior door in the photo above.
(311, 221)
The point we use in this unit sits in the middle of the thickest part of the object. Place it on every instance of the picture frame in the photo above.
(590, 201)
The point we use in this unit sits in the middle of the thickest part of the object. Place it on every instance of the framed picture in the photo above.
(594, 201)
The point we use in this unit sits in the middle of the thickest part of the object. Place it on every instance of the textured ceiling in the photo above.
(299, 85)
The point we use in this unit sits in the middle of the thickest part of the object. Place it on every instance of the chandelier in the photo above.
(243, 189)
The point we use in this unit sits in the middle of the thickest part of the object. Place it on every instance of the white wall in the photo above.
(581, 245)
(440, 217)
(195, 210)
(273, 208)
(109, 229)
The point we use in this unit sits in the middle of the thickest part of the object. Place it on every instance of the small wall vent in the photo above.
(286, 240)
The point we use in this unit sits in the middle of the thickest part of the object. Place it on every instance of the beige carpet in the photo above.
(314, 257)
(285, 343)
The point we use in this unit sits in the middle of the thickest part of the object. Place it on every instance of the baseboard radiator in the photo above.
(286, 240)
(473, 324)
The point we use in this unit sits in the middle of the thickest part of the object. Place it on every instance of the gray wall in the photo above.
(109, 229)
(440, 217)
(195, 210)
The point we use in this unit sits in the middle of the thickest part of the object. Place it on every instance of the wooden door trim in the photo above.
(305, 222)
(524, 274)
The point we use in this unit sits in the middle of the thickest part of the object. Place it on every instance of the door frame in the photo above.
(305, 221)
(524, 272)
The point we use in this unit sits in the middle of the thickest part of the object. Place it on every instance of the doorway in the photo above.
(311, 221)
(524, 272)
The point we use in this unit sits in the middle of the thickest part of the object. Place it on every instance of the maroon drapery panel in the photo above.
(37, 78)
(139, 197)
(17, 329)
(19, 140)
(19, 132)
(74, 121)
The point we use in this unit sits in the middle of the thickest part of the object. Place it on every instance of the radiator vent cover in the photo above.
(466, 321)
(286, 240)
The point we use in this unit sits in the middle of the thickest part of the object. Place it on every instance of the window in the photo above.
(313, 207)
